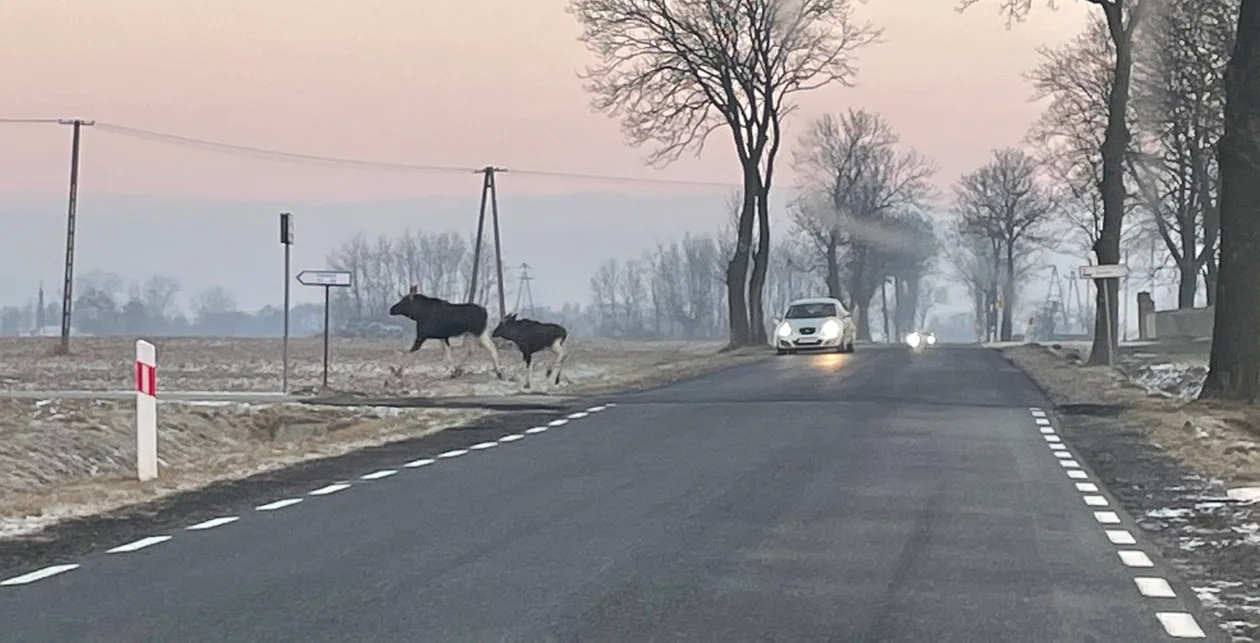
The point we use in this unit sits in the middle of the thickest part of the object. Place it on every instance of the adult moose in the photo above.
(532, 336)
(440, 319)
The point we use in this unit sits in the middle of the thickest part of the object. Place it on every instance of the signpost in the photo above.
(286, 239)
(146, 411)
(1102, 273)
(328, 279)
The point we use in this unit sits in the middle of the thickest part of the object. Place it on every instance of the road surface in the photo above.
(878, 496)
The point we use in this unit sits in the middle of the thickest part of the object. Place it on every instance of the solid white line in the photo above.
(1107, 517)
(577, 416)
(1077, 474)
(138, 545)
(39, 574)
(332, 488)
(535, 430)
(1135, 558)
(1180, 625)
(560, 422)
(595, 409)
(511, 438)
(1153, 587)
(1047, 430)
(1121, 537)
(1096, 501)
(1086, 486)
(211, 524)
(279, 504)
(416, 464)
(1063, 455)
(453, 454)
(377, 475)
(1042, 422)
(1070, 464)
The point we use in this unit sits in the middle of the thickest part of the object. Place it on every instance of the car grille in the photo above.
(807, 331)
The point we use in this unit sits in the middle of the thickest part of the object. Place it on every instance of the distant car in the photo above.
(921, 338)
(816, 324)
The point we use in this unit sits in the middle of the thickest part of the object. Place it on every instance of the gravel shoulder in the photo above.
(1187, 471)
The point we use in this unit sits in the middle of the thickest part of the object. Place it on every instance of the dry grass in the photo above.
(1215, 439)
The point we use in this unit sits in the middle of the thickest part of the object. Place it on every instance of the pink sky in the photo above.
(421, 81)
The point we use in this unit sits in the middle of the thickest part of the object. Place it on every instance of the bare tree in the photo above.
(1004, 203)
(909, 265)
(1123, 17)
(675, 71)
(1234, 370)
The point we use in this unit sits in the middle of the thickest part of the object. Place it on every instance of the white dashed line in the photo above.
(511, 438)
(377, 475)
(39, 574)
(577, 416)
(482, 446)
(1180, 625)
(332, 488)
(1086, 487)
(1153, 587)
(1121, 537)
(610, 404)
(1107, 517)
(1135, 558)
(1063, 455)
(138, 545)
(1070, 464)
(536, 430)
(453, 454)
(211, 524)
(595, 409)
(560, 422)
(416, 464)
(1053, 438)
(1038, 413)
(1077, 474)
(279, 504)
(1042, 422)
(1096, 501)
(1047, 430)
(1057, 446)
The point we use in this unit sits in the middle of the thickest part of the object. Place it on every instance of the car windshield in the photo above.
(810, 311)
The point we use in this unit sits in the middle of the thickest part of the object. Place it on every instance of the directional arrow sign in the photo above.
(334, 278)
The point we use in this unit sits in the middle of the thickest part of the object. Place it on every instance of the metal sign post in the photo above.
(327, 279)
(286, 239)
(1099, 274)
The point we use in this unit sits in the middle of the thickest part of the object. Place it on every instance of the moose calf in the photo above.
(440, 319)
(532, 336)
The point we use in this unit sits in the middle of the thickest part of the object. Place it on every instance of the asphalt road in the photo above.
(878, 496)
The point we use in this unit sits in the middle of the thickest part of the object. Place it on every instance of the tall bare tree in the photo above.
(1235, 363)
(1005, 204)
(1123, 17)
(675, 71)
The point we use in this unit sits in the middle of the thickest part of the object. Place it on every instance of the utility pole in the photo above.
(523, 289)
(488, 191)
(67, 289)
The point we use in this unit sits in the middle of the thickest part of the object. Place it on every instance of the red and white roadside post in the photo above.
(146, 411)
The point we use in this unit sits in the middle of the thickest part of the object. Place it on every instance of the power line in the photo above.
(30, 120)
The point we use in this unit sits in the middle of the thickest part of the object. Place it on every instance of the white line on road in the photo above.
(1038, 413)
(560, 422)
(1121, 537)
(1077, 474)
(332, 488)
(138, 545)
(1135, 558)
(1086, 487)
(1057, 446)
(577, 416)
(1070, 464)
(453, 454)
(1063, 455)
(1154, 587)
(279, 504)
(377, 475)
(595, 409)
(511, 438)
(211, 524)
(1053, 438)
(1047, 430)
(1042, 422)
(39, 574)
(416, 464)
(610, 404)
(1180, 625)
(482, 446)
(536, 430)
(1107, 517)
(1096, 501)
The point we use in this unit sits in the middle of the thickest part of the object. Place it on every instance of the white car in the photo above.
(815, 324)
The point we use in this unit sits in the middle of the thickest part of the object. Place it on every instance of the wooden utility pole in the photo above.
(488, 191)
(67, 289)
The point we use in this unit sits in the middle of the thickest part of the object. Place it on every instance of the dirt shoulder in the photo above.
(1184, 470)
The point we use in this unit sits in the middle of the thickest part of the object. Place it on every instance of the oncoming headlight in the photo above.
(785, 330)
(830, 329)
(913, 340)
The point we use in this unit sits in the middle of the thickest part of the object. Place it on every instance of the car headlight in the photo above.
(913, 340)
(830, 329)
(785, 330)
(931, 339)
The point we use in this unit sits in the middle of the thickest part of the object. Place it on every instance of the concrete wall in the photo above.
(1191, 322)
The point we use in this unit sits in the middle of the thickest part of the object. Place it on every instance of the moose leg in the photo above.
(529, 368)
(418, 343)
(450, 360)
(557, 347)
(494, 352)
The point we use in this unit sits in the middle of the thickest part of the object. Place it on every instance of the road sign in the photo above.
(286, 228)
(328, 278)
(1106, 271)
